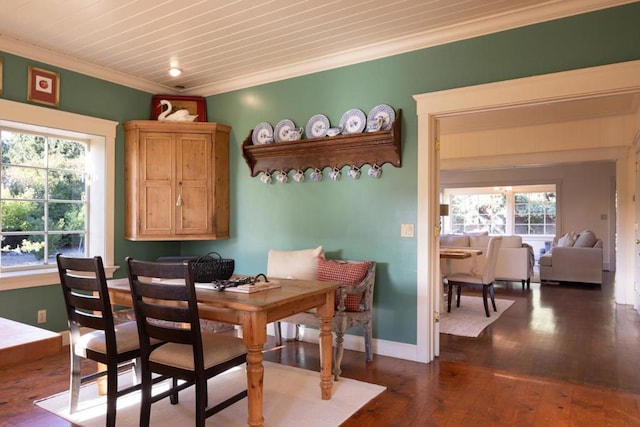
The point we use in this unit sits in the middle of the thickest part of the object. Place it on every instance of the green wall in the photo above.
(351, 219)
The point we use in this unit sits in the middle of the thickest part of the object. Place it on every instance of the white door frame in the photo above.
(550, 88)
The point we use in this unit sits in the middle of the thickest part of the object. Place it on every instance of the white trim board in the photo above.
(538, 90)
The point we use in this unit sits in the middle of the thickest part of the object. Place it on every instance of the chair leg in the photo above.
(484, 299)
(278, 333)
(201, 401)
(145, 403)
(458, 291)
(137, 371)
(449, 295)
(492, 295)
(523, 283)
(173, 398)
(112, 393)
(74, 381)
(338, 353)
(367, 341)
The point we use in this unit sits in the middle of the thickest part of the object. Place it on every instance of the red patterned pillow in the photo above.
(347, 273)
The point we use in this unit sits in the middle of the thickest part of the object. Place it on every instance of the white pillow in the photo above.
(301, 264)
(567, 240)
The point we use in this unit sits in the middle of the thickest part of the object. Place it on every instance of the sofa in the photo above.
(515, 259)
(574, 257)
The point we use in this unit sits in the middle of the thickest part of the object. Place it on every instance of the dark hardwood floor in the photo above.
(560, 356)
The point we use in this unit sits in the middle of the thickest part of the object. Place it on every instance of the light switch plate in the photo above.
(406, 230)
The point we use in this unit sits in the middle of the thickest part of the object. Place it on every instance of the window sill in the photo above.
(35, 278)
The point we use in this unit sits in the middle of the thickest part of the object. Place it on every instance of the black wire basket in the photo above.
(207, 268)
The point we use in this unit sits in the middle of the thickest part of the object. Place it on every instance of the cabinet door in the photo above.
(194, 210)
(156, 189)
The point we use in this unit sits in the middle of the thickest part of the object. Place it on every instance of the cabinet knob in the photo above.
(179, 201)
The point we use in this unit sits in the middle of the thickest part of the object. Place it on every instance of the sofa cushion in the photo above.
(301, 264)
(567, 240)
(586, 239)
(545, 260)
(511, 242)
(454, 240)
(481, 241)
(346, 273)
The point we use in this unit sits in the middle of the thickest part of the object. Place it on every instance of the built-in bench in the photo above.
(20, 342)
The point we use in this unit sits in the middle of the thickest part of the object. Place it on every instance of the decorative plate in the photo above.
(262, 134)
(387, 113)
(353, 121)
(282, 129)
(317, 126)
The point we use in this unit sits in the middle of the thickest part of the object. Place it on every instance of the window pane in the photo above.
(23, 183)
(22, 250)
(65, 154)
(66, 185)
(71, 244)
(23, 149)
(521, 229)
(22, 216)
(66, 216)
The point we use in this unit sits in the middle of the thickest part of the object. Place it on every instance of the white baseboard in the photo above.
(351, 342)
(356, 343)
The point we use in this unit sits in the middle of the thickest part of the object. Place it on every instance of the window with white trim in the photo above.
(524, 210)
(70, 203)
(43, 198)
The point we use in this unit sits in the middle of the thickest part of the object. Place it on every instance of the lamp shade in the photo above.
(444, 210)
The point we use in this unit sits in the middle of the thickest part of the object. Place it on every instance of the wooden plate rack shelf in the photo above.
(337, 151)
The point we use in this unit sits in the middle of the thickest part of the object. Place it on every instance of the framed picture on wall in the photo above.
(196, 105)
(43, 86)
(0, 75)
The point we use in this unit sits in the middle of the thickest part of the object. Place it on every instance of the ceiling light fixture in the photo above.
(175, 71)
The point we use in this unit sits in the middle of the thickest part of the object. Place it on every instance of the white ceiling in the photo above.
(222, 45)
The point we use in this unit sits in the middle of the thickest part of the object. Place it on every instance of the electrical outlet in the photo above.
(42, 316)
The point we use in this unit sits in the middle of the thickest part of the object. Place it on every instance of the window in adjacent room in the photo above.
(43, 199)
(525, 210)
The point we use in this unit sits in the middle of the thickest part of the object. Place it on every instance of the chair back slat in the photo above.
(162, 308)
(86, 297)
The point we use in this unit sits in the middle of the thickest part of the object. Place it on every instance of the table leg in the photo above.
(254, 335)
(325, 314)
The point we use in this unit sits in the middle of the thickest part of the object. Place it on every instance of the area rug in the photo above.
(291, 398)
(469, 319)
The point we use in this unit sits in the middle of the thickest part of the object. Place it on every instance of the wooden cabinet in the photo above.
(177, 180)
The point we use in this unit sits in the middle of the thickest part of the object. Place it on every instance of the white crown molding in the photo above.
(36, 53)
(546, 11)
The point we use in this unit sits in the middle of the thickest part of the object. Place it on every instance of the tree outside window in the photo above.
(43, 199)
(478, 212)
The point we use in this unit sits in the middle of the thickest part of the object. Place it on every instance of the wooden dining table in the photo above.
(253, 311)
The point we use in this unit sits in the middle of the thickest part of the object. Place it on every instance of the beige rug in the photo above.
(469, 319)
(291, 398)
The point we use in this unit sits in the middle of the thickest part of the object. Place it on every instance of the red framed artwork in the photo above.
(197, 105)
(43, 86)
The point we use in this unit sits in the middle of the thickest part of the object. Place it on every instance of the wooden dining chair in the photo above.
(188, 354)
(84, 287)
(483, 279)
